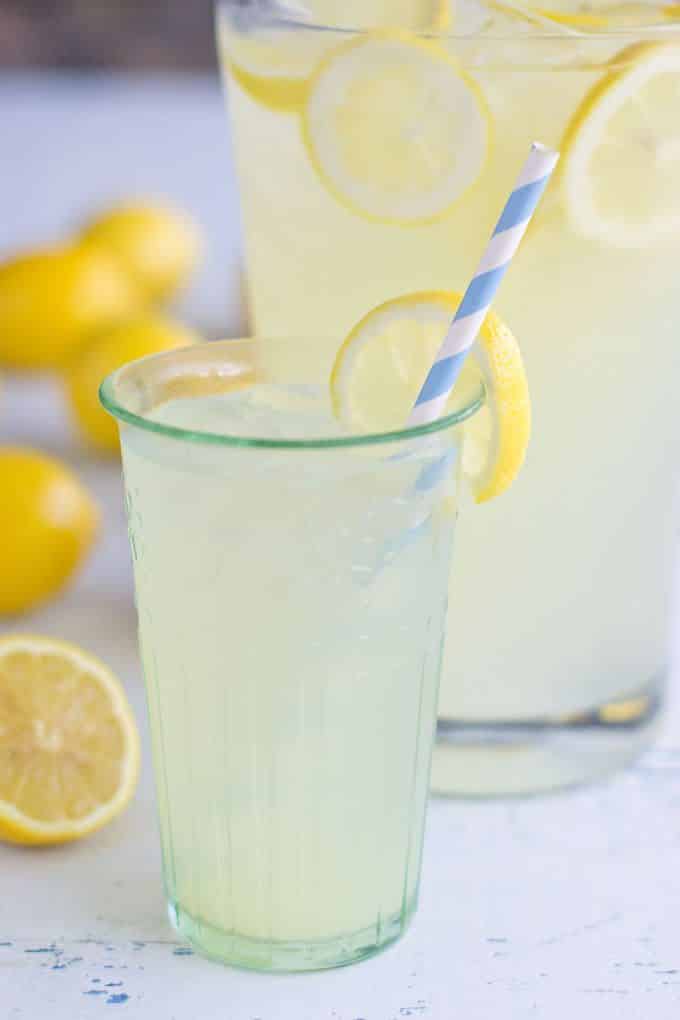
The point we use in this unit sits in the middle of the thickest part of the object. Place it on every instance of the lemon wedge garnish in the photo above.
(395, 128)
(621, 151)
(382, 364)
(69, 750)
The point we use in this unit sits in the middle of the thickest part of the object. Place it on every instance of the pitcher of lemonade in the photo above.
(374, 141)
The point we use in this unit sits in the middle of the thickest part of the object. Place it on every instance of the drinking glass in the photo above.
(291, 585)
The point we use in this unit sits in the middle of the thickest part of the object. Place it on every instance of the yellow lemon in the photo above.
(157, 245)
(69, 753)
(106, 352)
(382, 365)
(51, 299)
(48, 522)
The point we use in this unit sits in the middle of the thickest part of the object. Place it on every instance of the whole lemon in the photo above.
(106, 352)
(48, 521)
(51, 299)
(156, 244)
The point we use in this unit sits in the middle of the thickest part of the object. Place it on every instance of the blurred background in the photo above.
(109, 101)
(113, 119)
(91, 34)
(105, 106)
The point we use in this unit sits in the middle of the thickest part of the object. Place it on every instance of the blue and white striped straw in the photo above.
(472, 310)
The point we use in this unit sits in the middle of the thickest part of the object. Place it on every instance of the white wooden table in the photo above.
(553, 908)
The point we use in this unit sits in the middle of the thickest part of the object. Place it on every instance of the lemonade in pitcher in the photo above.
(374, 143)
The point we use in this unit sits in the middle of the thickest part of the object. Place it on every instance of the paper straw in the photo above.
(472, 310)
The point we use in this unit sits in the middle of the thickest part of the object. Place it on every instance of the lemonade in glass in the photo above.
(291, 580)
(375, 143)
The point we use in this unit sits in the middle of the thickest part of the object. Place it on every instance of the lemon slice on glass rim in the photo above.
(621, 152)
(395, 128)
(382, 364)
(69, 749)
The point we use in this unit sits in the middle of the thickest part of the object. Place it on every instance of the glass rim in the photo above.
(545, 28)
(116, 408)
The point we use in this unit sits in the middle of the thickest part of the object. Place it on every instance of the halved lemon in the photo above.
(382, 364)
(69, 749)
(621, 151)
(395, 128)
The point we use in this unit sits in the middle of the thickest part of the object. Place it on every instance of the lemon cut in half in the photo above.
(69, 750)
(382, 364)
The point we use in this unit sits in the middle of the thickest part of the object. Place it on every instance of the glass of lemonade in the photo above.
(291, 584)
(374, 143)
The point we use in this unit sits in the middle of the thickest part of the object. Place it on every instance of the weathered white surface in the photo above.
(553, 908)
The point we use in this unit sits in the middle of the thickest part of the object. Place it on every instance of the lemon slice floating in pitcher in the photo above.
(273, 62)
(272, 65)
(608, 15)
(69, 750)
(382, 364)
(395, 128)
(621, 152)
